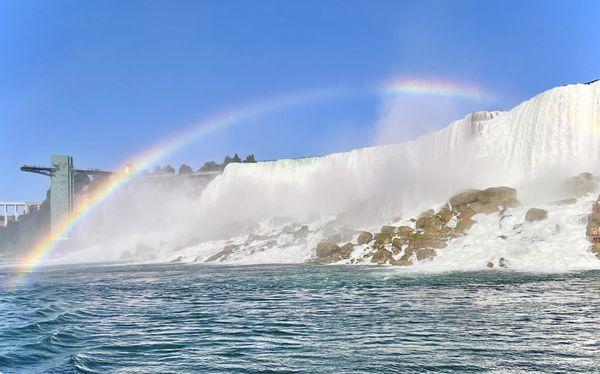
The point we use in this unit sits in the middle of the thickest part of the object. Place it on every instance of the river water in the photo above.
(297, 318)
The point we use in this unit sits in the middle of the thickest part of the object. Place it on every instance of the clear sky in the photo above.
(104, 80)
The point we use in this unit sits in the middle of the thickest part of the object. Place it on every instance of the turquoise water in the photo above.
(187, 318)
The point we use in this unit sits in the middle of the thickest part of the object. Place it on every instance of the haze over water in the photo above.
(297, 318)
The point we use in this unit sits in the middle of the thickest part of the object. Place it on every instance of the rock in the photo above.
(402, 262)
(580, 185)
(343, 253)
(381, 256)
(425, 253)
(464, 225)
(383, 238)
(466, 214)
(399, 242)
(502, 262)
(489, 208)
(595, 248)
(535, 214)
(388, 230)
(177, 260)
(429, 223)
(464, 198)
(405, 230)
(325, 248)
(512, 203)
(497, 195)
(490, 264)
(364, 237)
(445, 215)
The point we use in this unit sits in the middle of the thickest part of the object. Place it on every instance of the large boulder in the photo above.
(425, 253)
(343, 253)
(326, 248)
(381, 256)
(497, 195)
(364, 237)
(464, 225)
(403, 261)
(464, 198)
(596, 249)
(535, 214)
(405, 230)
(388, 230)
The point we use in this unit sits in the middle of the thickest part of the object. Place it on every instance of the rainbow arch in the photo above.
(219, 121)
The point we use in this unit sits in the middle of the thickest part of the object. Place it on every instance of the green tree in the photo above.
(227, 160)
(185, 169)
(236, 158)
(168, 169)
(158, 170)
(210, 166)
(250, 158)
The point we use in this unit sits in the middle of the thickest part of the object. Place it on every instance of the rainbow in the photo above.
(436, 87)
(137, 164)
(216, 122)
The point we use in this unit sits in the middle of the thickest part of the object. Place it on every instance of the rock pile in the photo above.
(403, 245)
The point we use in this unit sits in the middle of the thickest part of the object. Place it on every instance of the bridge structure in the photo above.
(63, 174)
(18, 208)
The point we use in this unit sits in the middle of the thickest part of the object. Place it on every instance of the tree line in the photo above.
(208, 166)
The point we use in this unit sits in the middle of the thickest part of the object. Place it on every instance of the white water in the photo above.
(533, 147)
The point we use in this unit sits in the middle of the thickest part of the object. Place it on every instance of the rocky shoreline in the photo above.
(431, 231)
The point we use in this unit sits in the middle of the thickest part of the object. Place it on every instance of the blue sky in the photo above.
(104, 80)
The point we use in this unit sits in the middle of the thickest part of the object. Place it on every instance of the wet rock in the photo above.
(364, 237)
(325, 248)
(402, 262)
(445, 215)
(490, 264)
(512, 203)
(502, 262)
(382, 239)
(535, 214)
(464, 225)
(595, 249)
(388, 230)
(497, 195)
(405, 230)
(381, 256)
(429, 223)
(464, 198)
(345, 251)
(425, 253)
(177, 260)
(466, 214)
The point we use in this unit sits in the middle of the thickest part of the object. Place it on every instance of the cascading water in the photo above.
(533, 147)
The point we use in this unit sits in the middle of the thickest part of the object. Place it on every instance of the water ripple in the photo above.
(191, 318)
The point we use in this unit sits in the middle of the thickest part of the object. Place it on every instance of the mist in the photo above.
(530, 147)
